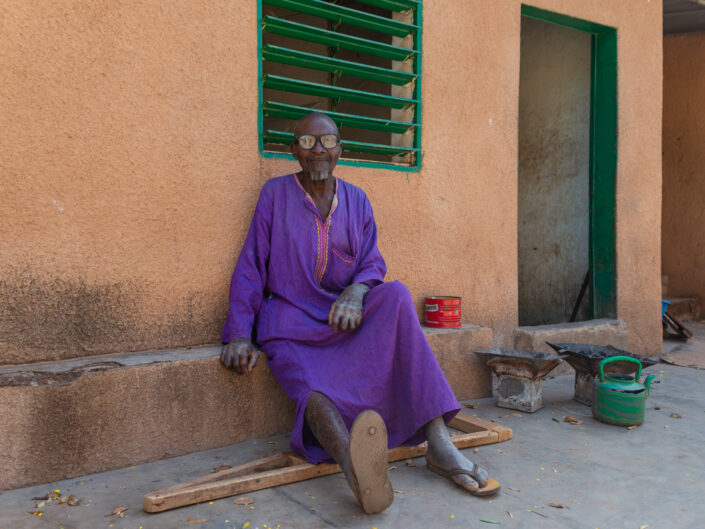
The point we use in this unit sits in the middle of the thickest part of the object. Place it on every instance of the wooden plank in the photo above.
(466, 440)
(288, 467)
(677, 326)
(273, 462)
(468, 423)
(187, 495)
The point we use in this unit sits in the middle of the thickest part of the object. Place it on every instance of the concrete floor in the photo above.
(606, 476)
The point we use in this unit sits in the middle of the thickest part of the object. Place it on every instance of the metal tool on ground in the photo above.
(620, 399)
(288, 467)
(585, 359)
(520, 374)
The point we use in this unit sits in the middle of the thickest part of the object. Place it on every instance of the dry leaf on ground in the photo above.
(221, 467)
(120, 511)
(410, 463)
(35, 513)
(632, 427)
(517, 415)
(45, 497)
(572, 420)
(73, 501)
(675, 416)
(515, 490)
(473, 406)
(393, 467)
(475, 450)
(244, 500)
(557, 505)
(196, 520)
(554, 419)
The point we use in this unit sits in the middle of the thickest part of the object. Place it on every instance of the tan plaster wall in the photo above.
(129, 169)
(683, 251)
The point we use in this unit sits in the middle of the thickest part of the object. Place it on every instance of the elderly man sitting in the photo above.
(346, 347)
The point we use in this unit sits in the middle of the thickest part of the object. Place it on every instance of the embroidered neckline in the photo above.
(334, 204)
(322, 231)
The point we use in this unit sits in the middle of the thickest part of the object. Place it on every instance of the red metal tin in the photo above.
(442, 311)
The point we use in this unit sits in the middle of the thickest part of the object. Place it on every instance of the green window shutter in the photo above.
(358, 61)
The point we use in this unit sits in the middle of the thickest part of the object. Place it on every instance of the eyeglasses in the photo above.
(308, 141)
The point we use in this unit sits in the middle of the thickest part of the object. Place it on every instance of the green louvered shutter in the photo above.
(359, 61)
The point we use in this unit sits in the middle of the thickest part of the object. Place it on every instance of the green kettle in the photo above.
(620, 399)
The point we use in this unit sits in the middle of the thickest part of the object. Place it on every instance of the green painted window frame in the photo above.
(603, 157)
(416, 124)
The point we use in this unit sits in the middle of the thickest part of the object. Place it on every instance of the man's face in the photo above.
(318, 162)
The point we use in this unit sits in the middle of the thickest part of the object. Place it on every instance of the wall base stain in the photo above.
(54, 318)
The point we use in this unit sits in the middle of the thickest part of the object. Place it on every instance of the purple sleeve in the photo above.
(250, 276)
(372, 268)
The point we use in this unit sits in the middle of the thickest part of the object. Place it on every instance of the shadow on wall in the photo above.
(53, 319)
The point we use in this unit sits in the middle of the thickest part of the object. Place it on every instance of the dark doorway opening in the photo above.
(567, 167)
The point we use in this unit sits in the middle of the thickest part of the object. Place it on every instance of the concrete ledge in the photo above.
(467, 374)
(598, 332)
(74, 417)
(147, 408)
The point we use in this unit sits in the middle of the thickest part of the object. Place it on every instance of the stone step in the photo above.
(684, 308)
(74, 417)
(597, 332)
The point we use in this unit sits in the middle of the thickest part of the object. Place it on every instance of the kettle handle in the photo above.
(619, 359)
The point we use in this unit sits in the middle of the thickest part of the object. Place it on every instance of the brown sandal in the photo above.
(489, 489)
(368, 462)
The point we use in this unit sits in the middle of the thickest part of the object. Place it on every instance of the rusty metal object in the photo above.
(585, 359)
(520, 374)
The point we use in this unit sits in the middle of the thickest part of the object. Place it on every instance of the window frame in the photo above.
(415, 167)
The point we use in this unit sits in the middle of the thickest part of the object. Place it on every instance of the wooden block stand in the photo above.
(288, 467)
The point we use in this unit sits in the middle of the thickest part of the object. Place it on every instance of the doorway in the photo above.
(566, 170)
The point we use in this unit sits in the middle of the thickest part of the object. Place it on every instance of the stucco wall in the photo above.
(130, 169)
(683, 253)
(554, 162)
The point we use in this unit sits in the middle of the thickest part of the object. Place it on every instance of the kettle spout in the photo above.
(647, 383)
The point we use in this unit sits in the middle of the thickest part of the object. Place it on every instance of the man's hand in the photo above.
(240, 354)
(346, 312)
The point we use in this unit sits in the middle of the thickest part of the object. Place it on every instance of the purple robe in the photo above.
(292, 267)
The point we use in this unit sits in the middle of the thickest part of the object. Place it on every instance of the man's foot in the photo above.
(449, 462)
(367, 473)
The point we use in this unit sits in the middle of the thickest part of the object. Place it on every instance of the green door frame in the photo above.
(603, 157)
